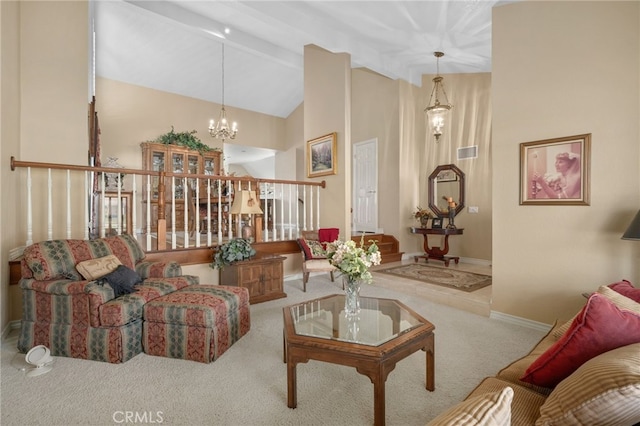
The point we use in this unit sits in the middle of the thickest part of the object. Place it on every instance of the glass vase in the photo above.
(351, 296)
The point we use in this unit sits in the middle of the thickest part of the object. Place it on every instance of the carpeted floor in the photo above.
(461, 280)
(247, 385)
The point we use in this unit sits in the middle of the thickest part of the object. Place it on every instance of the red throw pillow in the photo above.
(599, 327)
(305, 248)
(625, 288)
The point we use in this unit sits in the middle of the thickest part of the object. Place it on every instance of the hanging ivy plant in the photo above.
(186, 139)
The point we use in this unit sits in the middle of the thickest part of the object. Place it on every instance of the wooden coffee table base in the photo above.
(375, 362)
(376, 370)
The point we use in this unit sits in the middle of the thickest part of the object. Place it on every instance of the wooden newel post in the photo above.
(257, 228)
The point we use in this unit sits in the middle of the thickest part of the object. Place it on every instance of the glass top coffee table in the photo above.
(383, 333)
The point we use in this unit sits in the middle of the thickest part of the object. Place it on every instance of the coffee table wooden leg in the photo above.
(378, 400)
(430, 360)
(292, 394)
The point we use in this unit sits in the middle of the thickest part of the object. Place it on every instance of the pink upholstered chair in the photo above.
(312, 259)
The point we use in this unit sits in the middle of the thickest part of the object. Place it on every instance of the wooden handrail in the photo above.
(39, 165)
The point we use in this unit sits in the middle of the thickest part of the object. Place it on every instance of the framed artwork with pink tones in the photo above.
(555, 171)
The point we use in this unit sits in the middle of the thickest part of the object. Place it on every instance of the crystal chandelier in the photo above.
(437, 112)
(221, 130)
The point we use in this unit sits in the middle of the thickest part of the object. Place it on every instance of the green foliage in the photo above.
(186, 139)
(233, 251)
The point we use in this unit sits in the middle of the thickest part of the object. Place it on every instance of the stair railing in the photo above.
(62, 201)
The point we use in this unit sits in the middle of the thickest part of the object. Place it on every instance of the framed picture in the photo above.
(322, 156)
(447, 175)
(436, 223)
(555, 171)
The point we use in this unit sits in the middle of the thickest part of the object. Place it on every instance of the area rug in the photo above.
(460, 280)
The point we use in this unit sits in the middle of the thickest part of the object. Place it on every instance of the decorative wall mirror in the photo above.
(446, 181)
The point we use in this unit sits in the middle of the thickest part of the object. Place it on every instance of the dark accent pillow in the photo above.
(122, 280)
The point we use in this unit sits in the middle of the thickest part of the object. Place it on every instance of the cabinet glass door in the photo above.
(178, 166)
(157, 165)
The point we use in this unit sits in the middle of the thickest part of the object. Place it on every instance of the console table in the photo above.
(438, 253)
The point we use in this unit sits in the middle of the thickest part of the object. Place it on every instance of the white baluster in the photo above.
(148, 224)
(29, 210)
(68, 204)
(87, 198)
(131, 227)
(173, 212)
(49, 208)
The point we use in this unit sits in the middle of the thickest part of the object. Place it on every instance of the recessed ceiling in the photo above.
(175, 46)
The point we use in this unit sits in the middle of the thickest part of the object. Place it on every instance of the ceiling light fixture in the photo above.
(221, 130)
(437, 112)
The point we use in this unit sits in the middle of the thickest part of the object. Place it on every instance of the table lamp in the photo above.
(633, 231)
(246, 202)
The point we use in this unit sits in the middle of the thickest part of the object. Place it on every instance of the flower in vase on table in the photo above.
(352, 260)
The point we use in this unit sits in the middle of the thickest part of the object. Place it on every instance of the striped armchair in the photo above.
(81, 318)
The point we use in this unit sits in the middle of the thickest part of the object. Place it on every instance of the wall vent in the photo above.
(468, 152)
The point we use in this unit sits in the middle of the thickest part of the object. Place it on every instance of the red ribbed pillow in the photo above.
(599, 327)
(625, 288)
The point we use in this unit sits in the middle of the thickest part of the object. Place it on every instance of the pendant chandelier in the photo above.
(221, 129)
(437, 113)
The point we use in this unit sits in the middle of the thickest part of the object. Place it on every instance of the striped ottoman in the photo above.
(198, 322)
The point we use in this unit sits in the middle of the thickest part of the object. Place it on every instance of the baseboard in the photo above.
(470, 260)
(511, 319)
(293, 277)
(13, 325)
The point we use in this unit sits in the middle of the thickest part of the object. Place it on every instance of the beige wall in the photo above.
(327, 109)
(44, 98)
(375, 114)
(470, 124)
(131, 114)
(562, 69)
(9, 145)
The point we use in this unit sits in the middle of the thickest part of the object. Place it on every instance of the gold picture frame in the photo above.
(555, 171)
(322, 156)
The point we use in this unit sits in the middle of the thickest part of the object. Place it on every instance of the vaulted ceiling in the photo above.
(176, 46)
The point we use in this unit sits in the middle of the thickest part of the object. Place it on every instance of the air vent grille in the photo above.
(468, 152)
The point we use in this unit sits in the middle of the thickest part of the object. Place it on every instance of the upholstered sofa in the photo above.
(583, 372)
(76, 315)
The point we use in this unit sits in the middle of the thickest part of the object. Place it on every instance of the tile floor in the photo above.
(478, 302)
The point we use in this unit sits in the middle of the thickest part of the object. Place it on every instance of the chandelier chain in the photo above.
(223, 75)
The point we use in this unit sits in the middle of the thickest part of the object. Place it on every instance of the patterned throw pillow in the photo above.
(316, 249)
(93, 269)
(312, 249)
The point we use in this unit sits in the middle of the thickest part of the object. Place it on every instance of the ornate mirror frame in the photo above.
(452, 172)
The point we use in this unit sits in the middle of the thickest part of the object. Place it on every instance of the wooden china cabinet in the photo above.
(169, 158)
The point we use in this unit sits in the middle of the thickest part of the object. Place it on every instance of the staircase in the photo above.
(388, 245)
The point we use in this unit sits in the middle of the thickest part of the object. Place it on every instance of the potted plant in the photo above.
(186, 139)
(232, 251)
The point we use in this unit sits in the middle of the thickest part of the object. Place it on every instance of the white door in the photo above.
(365, 186)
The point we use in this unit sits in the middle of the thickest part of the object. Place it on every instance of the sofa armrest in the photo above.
(60, 287)
(158, 269)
